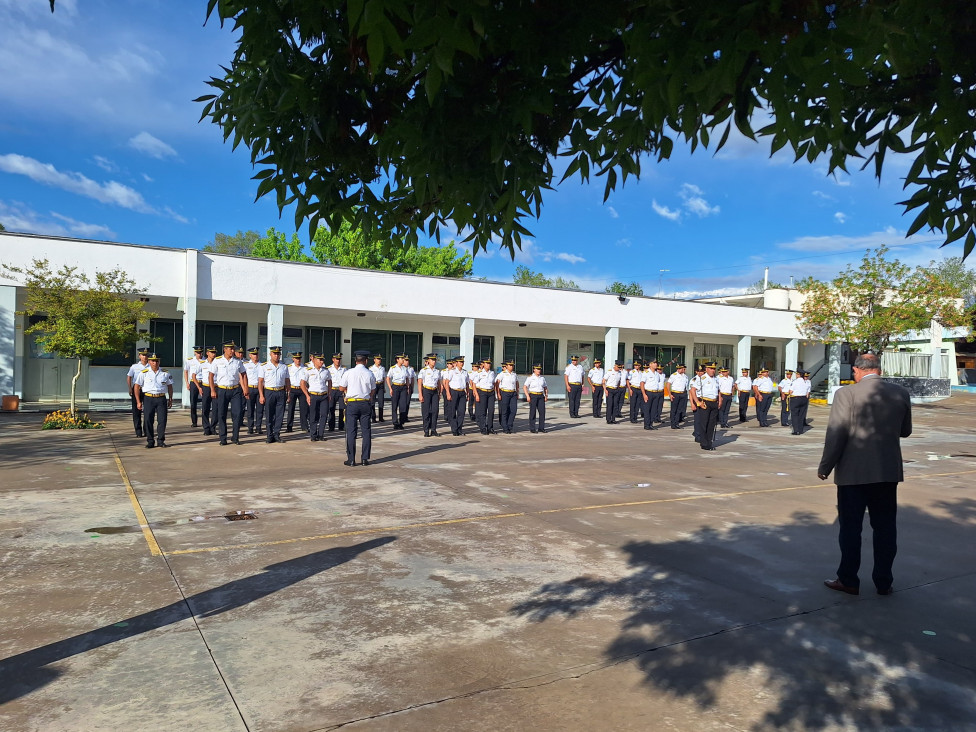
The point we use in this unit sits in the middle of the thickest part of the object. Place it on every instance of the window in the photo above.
(216, 334)
(169, 347)
(528, 351)
(292, 340)
(667, 356)
(484, 347)
(600, 352)
(325, 341)
(721, 353)
(388, 343)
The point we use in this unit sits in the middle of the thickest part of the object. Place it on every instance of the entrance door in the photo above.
(47, 377)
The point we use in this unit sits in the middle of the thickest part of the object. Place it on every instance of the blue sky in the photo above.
(99, 139)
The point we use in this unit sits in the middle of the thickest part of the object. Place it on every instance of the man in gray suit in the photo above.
(862, 448)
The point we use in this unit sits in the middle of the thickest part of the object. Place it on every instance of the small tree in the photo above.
(871, 306)
(274, 245)
(630, 290)
(525, 276)
(240, 243)
(762, 285)
(85, 318)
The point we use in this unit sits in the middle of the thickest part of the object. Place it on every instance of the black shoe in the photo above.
(382, 420)
(287, 429)
(162, 444)
(373, 420)
(543, 431)
(434, 434)
(150, 447)
(269, 440)
(139, 434)
(350, 463)
(194, 425)
(532, 431)
(237, 442)
(365, 462)
(223, 442)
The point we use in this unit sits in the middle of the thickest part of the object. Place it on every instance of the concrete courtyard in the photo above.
(593, 578)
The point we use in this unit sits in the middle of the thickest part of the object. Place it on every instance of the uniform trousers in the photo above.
(709, 419)
(615, 397)
(376, 403)
(880, 500)
(744, 406)
(470, 397)
(723, 411)
(485, 410)
(455, 410)
(762, 409)
(295, 396)
(652, 408)
(318, 414)
(154, 407)
(255, 410)
(507, 406)
(194, 402)
(208, 411)
(406, 403)
(274, 405)
(575, 395)
(784, 410)
(697, 418)
(336, 404)
(448, 406)
(798, 416)
(358, 418)
(537, 412)
(597, 401)
(398, 403)
(136, 415)
(636, 405)
(429, 404)
(679, 403)
(234, 400)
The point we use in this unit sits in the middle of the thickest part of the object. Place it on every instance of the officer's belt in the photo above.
(706, 399)
(356, 399)
(765, 392)
(726, 393)
(273, 388)
(318, 393)
(677, 392)
(536, 392)
(154, 395)
(655, 391)
(486, 391)
(576, 383)
(508, 390)
(398, 383)
(432, 388)
(251, 386)
(228, 387)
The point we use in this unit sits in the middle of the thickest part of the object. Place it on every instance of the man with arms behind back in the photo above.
(862, 448)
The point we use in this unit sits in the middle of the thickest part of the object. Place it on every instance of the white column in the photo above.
(611, 341)
(792, 354)
(833, 364)
(743, 355)
(143, 341)
(8, 340)
(427, 343)
(189, 301)
(276, 326)
(467, 340)
(935, 343)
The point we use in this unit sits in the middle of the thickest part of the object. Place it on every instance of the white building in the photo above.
(203, 299)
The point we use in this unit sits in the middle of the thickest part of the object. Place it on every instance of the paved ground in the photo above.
(592, 578)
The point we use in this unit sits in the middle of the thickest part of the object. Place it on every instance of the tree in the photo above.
(761, 286)
(525, 276)
(630, 290)
(2, 227)
(240, 243)
(274, 245)
(402, 118)
(954, 271)
(85, 318)
(873, 305)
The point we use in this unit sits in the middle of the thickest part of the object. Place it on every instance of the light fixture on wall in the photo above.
(143, 299)
(762, 340)
(621, 298)
(521, 325)
(360, 315)
(653, 332)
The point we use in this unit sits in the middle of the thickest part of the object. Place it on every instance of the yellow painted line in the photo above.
(140, 516)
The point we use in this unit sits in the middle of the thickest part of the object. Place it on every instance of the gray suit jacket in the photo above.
(867, 420)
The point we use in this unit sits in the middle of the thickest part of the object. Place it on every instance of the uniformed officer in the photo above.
(295, 394)
(614, 383)
(708, 397)
(678, 387)
(455, 391)
(448, 405)
(239, 355)
(800, 401)
(274, 386)
(137, 368)
(191, 370)
(507, 386)
(634, 380)
(428, 392)
(743, 385)
(357, 386)
(379, 396)
(652, 393)
(227, 381)
(336, 403)
(411, 382)
(469, 391)
(317, 386)
(595, 376)
(398, 379)
(573, 376)
(696, 415)
(153, 390)
(255, 407)
(536, 394)
(726, 385)
(763, 388)
(208, 405)
(784, 387)
(483, 389)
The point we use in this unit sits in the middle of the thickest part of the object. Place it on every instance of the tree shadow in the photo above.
(702, 612)
(31, 670)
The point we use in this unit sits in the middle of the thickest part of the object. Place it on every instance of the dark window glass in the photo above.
(528, 351)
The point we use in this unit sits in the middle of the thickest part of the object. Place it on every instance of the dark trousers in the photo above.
(336, 404)
(470, 397)
(880, 500)
(597, 401)
(723, 411)
(706, 426)
(398, 403)
(679, 403)
(798, 417)
(319, 414)
(358, 419)
(484, 410)
(376, 404)
(136, 415)
(429, 404)
(154, 407)
(697, 417)
(194, 402)
(636, 405)
(615, 398)
(208, 409)
(234, 399)
(743, 406)
(785, 406)
(448, 406)
(295, 396)
(406, 402)
(652, 408)
(762, 409)
(507, 407)
(255, 410)
(455, 410)
(574, 397)
(274, 406)
(537, 412)
(657, 399)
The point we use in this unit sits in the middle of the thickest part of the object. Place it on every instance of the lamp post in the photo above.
(660, 280)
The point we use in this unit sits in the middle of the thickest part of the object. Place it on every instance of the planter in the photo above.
(11, 403)
(921, 389)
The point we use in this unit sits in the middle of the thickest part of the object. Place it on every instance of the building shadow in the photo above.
(31, 670)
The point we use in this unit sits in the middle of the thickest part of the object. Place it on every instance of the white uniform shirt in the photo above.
(429, 377)
(191, 367)
(535, 383)
(764, 384)
(136, 368)
(398, 375)
(725, 384)
(615, 378)
(151, 382)
(457, 379)
(335, 374)
(318, 380)
(678, 382)
(205, 368)
(574, 372)
(508, 381)
(636, 378)
(295, 374)
(708, 387)
(785, 384)
(656, 382)
(446, 374)
(359, 382)
(486, 380)
(253, 371)
(411, 375)
(743, 383)
(274, 377)
(596, 375)
(227, 371)
(379, 373)
(695, 383)
(801, 387)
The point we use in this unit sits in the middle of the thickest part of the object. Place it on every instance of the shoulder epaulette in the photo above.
(144, 371)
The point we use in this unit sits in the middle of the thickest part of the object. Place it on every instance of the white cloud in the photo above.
(623, 242)
(571, 258)
(840, 217)
(530, 253)
(18, 217)
(146, 178)
(105, 164)
(824, 196)
(695, 202)
(666, 212)
(151, 146)
(825, 244)
(613, 212)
